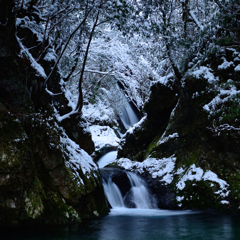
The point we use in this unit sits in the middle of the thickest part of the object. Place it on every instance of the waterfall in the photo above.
(107, 158)
(126, 113)
(127, 116)
(138, 195)
(125, 189)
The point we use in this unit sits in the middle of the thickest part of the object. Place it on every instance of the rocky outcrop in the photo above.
(194, 152)
(45, 176)
(158, 108)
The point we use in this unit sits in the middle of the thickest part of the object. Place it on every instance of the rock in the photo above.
(203, 138)
(41, 182)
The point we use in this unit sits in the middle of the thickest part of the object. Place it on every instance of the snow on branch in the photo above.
(196, 20)
(24, 52)
(94, 71)
(51, 93)
(68, 115)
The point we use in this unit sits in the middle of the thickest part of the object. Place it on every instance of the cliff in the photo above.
(46, 173)
(188, 142)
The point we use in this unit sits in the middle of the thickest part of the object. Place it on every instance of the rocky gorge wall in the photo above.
(46, 173)
(188, 143)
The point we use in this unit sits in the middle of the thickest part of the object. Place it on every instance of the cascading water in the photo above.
(107, 158)
(128, 116)
(113, 194)
(126, 113)
(138, 195)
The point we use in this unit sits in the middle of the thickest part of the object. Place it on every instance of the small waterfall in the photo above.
(113, 194)
(138, 195)
(107, 158)
(127, 116)
(124, 189)
(126, 113)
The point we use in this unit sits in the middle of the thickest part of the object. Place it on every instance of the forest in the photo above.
(154, 82)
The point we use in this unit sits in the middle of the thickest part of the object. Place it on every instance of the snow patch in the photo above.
(103, 136)
(25, 53)
(222, 97)
(156, 167)
(165, 139)
(205, 72)
(197, 174)
(237, 68)
(225, 65)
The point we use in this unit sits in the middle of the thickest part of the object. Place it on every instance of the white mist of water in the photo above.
(138, 195)
(107, 158)
(128, 116)
(113, 194)
(141, 196)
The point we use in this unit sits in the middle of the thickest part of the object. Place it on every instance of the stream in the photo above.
(139, 225)
(134, 215)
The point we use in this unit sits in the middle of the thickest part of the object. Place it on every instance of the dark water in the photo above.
(126, 226)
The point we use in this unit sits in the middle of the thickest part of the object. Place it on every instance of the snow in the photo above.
(25, 53)
(50, 56)
(224, 127)
(32, 25)
(179, 198)
(196, 20)
(222, 97)
(206, 73)
(165, 139)
(156, 167)
(98, 112)
(131, 130)
(225, 65)
(163, 79)
(77, 158)
(225, 202)
(237, 68)
(103, 136)
(197, 174)
(136, 126)
(68, 115)
(51, 93)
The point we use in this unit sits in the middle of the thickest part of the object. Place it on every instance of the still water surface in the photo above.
(139, 225)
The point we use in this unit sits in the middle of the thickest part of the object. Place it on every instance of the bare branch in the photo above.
(80, 98)
(70, 37)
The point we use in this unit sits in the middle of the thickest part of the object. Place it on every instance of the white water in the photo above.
(140, 193)
(137, 196)
(128, 116)
(113, 194)
(107, 158)
(148, 212)
(126, 113)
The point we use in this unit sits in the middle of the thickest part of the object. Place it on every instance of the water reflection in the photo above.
(138, 227)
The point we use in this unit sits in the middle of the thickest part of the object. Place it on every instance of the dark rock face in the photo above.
(76, 128)
(38, 182)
